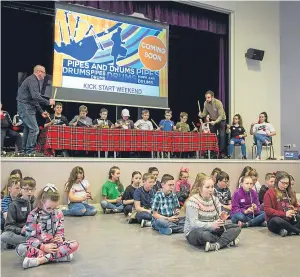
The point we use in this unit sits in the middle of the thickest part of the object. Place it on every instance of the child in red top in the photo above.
(182, 186)
(281, 207)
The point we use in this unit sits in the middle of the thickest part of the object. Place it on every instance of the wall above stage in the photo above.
(254, 85)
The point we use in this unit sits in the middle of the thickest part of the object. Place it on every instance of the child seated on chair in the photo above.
(81, 120)
(262, 133)
(124, 122)
(166, 209)
(237, 135)
(57, 119)
(7, 130)
(103, 122)
(144, 123)
(182, 126)
(167, 124)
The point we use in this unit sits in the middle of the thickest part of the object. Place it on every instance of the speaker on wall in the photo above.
(255, 54)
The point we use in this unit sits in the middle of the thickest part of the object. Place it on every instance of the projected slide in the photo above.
(104, 54)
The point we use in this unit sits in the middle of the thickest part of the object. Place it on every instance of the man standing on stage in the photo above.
(28, 101)
(214, 108)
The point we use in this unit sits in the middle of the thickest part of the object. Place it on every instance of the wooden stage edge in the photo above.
(57, 170)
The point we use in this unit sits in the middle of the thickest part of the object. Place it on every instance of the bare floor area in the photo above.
(110, 247)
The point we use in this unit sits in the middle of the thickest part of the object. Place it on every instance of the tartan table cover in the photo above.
(93, 139)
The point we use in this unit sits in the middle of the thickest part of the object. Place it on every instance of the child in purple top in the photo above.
(246, 207)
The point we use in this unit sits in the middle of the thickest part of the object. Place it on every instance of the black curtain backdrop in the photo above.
(27, 40)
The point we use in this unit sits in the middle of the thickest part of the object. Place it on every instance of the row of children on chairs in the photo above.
(207, 205)
(261, 131)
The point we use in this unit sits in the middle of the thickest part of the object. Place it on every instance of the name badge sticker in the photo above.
(242, 200)
(24, 209)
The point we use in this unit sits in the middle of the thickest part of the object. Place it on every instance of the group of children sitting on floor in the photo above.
(34, 226)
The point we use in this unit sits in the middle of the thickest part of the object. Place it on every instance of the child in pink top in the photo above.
(182, 186)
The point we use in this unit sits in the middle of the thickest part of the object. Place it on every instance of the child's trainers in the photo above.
(234, 242)
(242, 224)
(209, 246)
(145, 223)
(21, 250)
(283, 232)
(67, 258)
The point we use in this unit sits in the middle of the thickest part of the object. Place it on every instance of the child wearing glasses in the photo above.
(19, 209)
(45, 233)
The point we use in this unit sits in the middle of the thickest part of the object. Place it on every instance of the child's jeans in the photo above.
(233, 141)
(161, 225)
(252, 222)
(79, 209)
(12, 238)
(143, 215)
(113, 206)
(259, 140)
(128, 209)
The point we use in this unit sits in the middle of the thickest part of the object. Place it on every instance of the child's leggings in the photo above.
(275, 224)
(64, 249)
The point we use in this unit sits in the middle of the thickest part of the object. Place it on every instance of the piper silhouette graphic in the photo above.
(118, 50)
(84, 49)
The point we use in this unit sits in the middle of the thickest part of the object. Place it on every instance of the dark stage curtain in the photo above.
(166, 12)
(174, 14)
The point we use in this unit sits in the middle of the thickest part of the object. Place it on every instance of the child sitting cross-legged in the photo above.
(183, 186)
(154, 171)
(77, 189)
(19, 209)
(127, 196)
(166, 209)
(143, 198)
(112, 192)
(246, 207)
(45, 232)
(205, 221)
(269, 183)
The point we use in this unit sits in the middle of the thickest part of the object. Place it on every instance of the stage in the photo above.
(57, 170)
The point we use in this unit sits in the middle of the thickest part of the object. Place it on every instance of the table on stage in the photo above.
(118, 140)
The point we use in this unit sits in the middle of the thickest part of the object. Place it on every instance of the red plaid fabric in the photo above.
(192, 141)
(92, 139)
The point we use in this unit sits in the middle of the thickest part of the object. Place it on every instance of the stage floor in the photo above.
(111, 247)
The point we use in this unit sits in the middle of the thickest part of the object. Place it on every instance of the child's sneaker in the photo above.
(283, 232)
(21, 250)
(209, 246)
(146, 223)
(234, 242)
(67, 258)
(264, 224)
(165, 231)
(242, 224)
